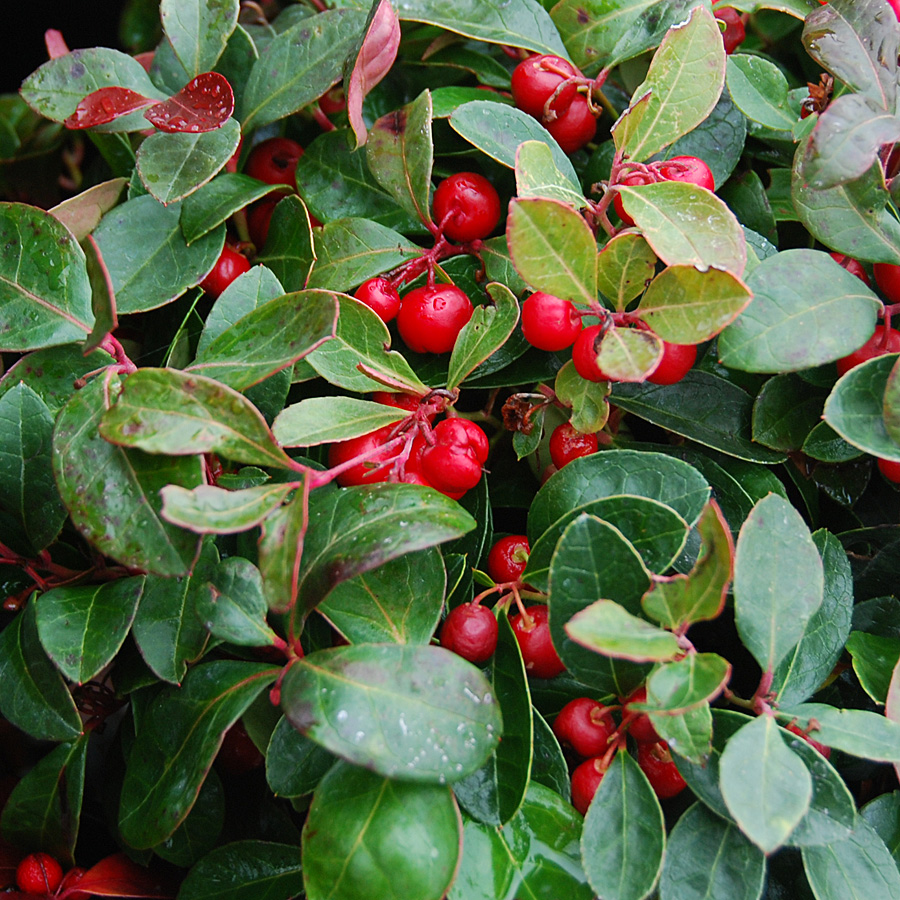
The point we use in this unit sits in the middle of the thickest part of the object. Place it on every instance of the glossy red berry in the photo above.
(366, 471)
(274, 161)
(508, 557)
(431, 318)
(794, 728)
(229, 265)
(584, 353)
(453, 463)
(532, 631)
(259, 215)
(72, 877)
(550, 323)
(463, 434)
(585, 781)
(889, 469)
(639, 726)
(533, 82)
(853, 266)
(575, 127)
(586, 726)
(677, 360)
(882, 341)
(735, 31)
(567, 444)
(470, 631)
(466, 206)
(238, 754)
(688, 169)
(632, 179)
(662, 773)
(38, 873)
(333, 100)
(887, 277)
(409, 402)
(380, 296)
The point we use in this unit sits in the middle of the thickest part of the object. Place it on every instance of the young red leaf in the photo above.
(55, 43)
(106, 104)
(205, 103)
(118, 876)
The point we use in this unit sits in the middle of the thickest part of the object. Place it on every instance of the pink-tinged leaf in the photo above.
(55, 43)
(106, 104)
(118, 876)
(373, 62)
(892, 703)
(103, 296)
(205, 103)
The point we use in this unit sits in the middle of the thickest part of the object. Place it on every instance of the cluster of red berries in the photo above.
(40, 873)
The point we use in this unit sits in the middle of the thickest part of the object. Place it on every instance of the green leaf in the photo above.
(785, 412)
(682, 87)
(178, 740)
(625, 268)
(874, 659)
(687, 226)
(128, 491)
(213, 510)
(415, 713)
(83, 628)
(892, 403)
(198, 30)
(200, 831)
(709, 859)
(553, 249)
(766, 787)
(624, 836)
(590, 409)
(855, 407)
(149, 261)
(759, 89)
(538, 175)
(294, 763)
(370, 836)
(778, 580)
(688, 733)
(400, 153)
(678, 686)
(400, 601)
(855, 731)
(322, 420)
(288, 250)
(245, 870)
(825, 444)
(280, 550)
(299, 65)
(628, 354)
(166, 411)
(608, 628)
(881, 814)
(45, 294)
(214, 202)
(548, 765)
(773, 334)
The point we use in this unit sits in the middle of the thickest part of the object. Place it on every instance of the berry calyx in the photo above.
(535, 79)
(584, 353)
(507, 558)
(889, 469)
(380, 296)
(575, 127)
(689, 169)
(228, 266)
(735, 31)
(884, 340)
(887, 277)
(366, 472)
(431, 318)
(470, 631)
(38, 873)
(853, 266)
(585, 725)
(662, 773)
(677, 360)
(567, 444)
(532, 631)
(639, 725)
(550, 323)
(274, 161)
(794, 728)
(466, 207)
(585, 781)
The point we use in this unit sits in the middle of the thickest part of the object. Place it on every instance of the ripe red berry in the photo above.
(676, 362)
(453, 463)
(259, 215)
(431, 318)
(470, 631)
(508, 558)
(688, 169)
(585, 725)
(585, 781)
(364, 472)
(567, 444)
(533, 83)
(380, 296)
(890, 469)
(464, 434)
(550, 323)
(466, 206)
(735, 32)
(38, 873)
(584, 353)
(333, 100)
(853, 266)
(575, 127)
(72, 877)
(228, 266)
(274, 161)
(882, 341)
(238, 754)
(532, 631)
(663, 775)
(639, 726)
(796, 729)
(632, 179)
(887, 277)
(399, 401)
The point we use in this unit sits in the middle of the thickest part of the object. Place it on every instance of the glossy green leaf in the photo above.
(688, 733)
(610, 629)
(200, 831)
(874, 659)
(590, 410)
(548, 764)
(855, 731)
(294, 763)
(280, 549)
(623, 839)
(128, 490)
(685, 684)
(400, 601)
(625, 268)
(628, 354)
(785, 412)
(881, 814)
(892, 403)
(103, 300)
(682, 87)
(537, 175)
(825, 444)
(213, 510)
(416, 713)
(766, 787)
(759, 89)
(178, 739)
(322, 420)
(217, 200)
(82, 628)
(288, 250)
(198, 30)
(366, 835)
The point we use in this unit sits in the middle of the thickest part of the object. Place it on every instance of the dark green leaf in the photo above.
(288, 251)
(881, 814)
(294, 763)
(874, 659)
(760, 90)
(825, 444)
(200, 831)
(213, 203)
(548, 765)
(280, 549)
(198, 30)
(785, 412)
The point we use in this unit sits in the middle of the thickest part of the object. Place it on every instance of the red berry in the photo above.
(796, 729)
(463, 434)
(584, 353)
(238, 754)
(585, 780)
(333, 100)
(676, 362)
(632, 179)
(38, 873)
(72, 877)
(586, 726)
(532, 631)
(508, 558)
(380, 296)
(735, 32)
(470, 631)
(887, 277)
(431, 318)
(890, 469)
(688, 169)
(399, 401)
(229, 265)
(274, 161)
(466, 206)
(453, 463)
(575, 127)
(882, 341)
(532, 84)
(853, 266)
(640, 727)
(550, 323)
(259, 215)
(364, 472)
(662, 773)
(567, 444)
